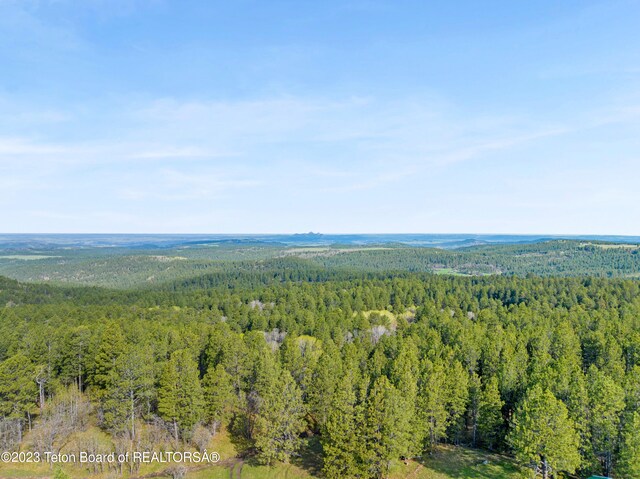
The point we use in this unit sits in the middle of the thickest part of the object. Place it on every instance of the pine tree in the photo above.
(405, 370)
(180, 398)
(112, 345)
(75, 356)
(18, 389)
(280, 419)
(432, 403)
(543, 435)
(475, 388)
(381, 442)
(629, 463)
(567, 359)
(340, 436)
(457, 387)
(490, 414)
(234, 357)
(219, 395)
(606, 403)
(129, 386)
(324, 384)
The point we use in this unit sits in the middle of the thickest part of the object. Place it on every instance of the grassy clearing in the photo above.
(450, 271)
(447, 462)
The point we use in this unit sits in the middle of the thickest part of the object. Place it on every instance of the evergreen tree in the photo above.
(405, 370)
(111, 346)
(18, 389)
(180, 398)
(473, 411)
(432, 403)
(606, 403)
(490, 414)
(457, 397)
(340, 435)
(629, 463)
(324, 384)
(543, 435)
(280, 418)
(130, 386)
(74, 356)
(380, 440)
(219, 396)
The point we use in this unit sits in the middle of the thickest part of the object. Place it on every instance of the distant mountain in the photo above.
(24, 242)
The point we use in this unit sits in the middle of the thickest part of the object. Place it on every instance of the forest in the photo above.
(151, 266)
(364, 368)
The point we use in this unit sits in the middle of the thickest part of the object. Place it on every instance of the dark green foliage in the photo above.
(18, 392)
(219, 395)
(381, 436)
(490, 420)
(279, 418)
(180, 398)
(340, 434)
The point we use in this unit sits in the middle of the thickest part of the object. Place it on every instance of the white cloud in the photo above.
(23, 146)
(280, 155)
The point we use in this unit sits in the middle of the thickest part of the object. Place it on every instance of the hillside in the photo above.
(123, 267)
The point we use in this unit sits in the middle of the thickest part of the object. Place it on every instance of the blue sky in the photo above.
(354, 116)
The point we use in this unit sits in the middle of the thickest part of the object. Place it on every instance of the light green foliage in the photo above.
(542, 434)
(300, 356)
(629, 464)
(58, 473)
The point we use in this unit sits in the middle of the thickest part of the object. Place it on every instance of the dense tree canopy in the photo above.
(379, 366)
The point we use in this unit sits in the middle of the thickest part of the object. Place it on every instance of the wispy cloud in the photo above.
(23, 146)
(213, 158)
(179, 185)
